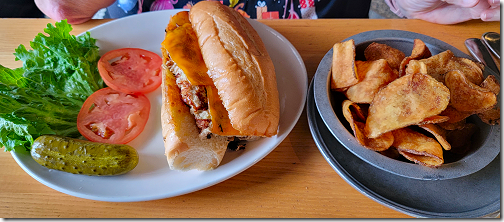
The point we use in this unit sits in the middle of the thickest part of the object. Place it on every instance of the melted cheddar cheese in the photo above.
(182, 45)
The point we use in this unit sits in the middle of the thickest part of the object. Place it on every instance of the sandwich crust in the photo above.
(184, 148)
(240, 67)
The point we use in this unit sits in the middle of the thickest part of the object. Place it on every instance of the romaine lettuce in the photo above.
(45, 95)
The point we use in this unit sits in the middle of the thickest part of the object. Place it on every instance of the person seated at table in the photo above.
(436, 11)
(77, 11)
(446, 11)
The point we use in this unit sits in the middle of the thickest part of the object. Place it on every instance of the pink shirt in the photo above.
(394, 8)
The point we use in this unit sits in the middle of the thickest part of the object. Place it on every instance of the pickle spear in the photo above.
(83, 157)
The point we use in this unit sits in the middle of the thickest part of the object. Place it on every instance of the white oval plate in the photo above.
(152, 179)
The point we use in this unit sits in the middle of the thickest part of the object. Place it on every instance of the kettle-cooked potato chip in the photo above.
(420, 51)
(438, 65)
(406, 101)
(434, 66)
(453, 126)
(491, 116)
(472, 71)
(415, 66)
(375, 51)
(353, 112)
(434, 120)
(343, 66)
(381, 143)
(417, 147)
(356, 118)
(439, 133)
(375, 74)
(466, 96)
(454, 115)
(491, 84)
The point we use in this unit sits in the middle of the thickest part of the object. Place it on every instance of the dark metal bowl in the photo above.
(485, 143)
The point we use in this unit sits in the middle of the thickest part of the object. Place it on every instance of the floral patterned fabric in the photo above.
(266, 9)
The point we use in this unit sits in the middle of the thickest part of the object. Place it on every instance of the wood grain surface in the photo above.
(293, 181)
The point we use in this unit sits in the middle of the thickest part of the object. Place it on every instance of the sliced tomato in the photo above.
(110, 116)
(131, 70)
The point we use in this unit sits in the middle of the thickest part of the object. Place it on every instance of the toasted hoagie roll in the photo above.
(226, 81)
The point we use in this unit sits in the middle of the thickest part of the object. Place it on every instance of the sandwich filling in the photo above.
(194, 96)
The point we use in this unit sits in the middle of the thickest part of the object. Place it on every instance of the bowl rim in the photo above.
(469, 164)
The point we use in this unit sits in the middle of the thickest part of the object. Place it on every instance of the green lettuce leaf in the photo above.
(45, 95)
(12, 77)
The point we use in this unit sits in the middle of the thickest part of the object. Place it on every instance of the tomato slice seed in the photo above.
(100, 130)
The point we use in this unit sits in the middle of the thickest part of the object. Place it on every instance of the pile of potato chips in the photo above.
(412, 106)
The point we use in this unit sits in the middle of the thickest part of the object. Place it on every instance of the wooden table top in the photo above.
(293, 181)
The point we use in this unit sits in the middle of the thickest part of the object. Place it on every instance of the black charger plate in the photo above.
(475, 195)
